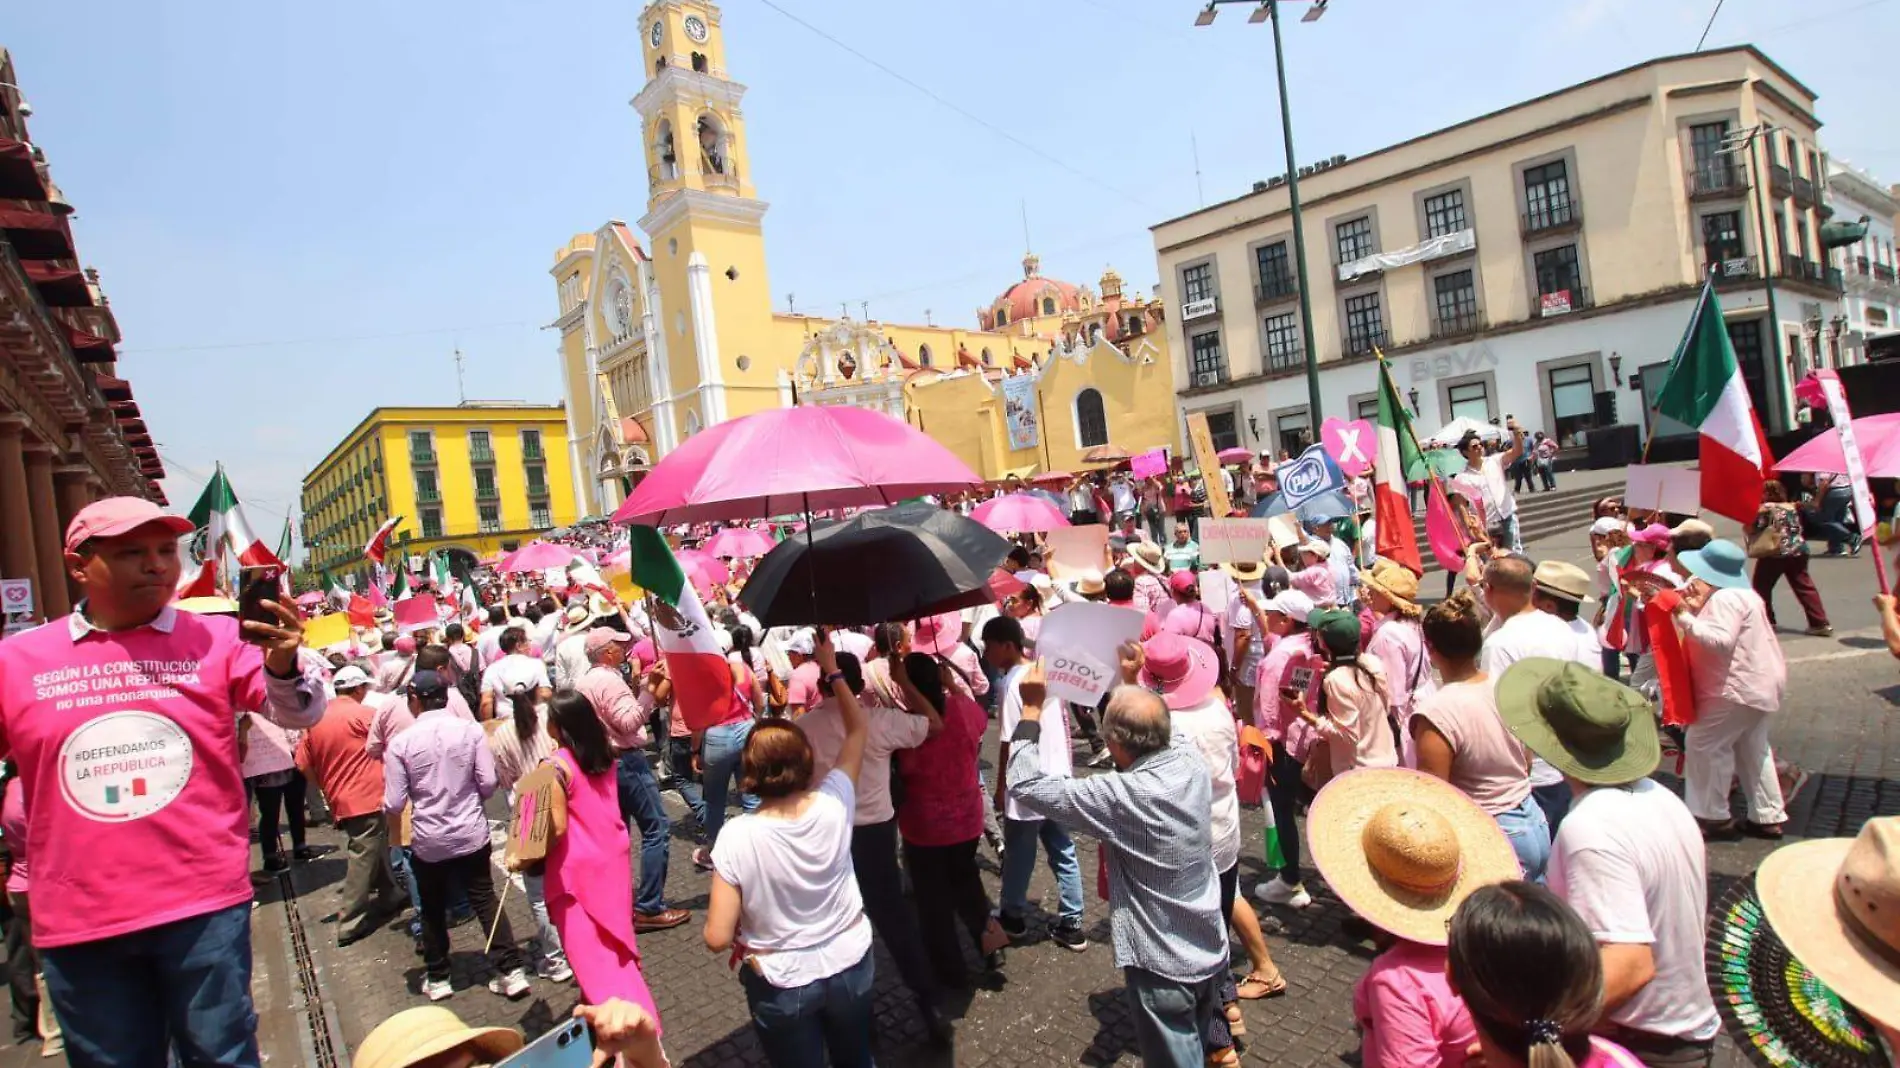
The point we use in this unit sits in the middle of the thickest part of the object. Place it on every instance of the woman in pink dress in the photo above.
(589, 878)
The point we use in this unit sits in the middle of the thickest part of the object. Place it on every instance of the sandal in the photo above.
(1223, 1058)
(1236, 1023)
(1257, 986)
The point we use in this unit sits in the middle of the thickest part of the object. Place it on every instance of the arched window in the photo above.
(699, 62)
(923, 355)
(1002, 315)
(1048, 305)
(987, 359)
(664, 148)
(1091, 419)
(712, 144)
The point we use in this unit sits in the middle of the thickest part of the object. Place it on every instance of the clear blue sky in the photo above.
(299, 210)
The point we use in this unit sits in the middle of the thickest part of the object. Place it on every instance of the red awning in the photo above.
(19, 178)
(60, 287)
(37, 235)
(631, 432)
(115, 389)
(126, 411)
(88, 347)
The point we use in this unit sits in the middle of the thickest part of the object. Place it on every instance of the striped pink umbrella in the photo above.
(1020, 513)
(740, 542)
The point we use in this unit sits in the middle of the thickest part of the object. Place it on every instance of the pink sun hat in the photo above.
(1181, 669)
(937, 635)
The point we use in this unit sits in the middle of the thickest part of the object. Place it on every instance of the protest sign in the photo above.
(540, 809)
(1077, 678)
(1069, 551)
(1208, 460)
(1663, 489)
(1350, 444)
(16, 596)
(325, 631)
(1836, 395)
(1092, 628)
(1308, 475)
(1149, 464)
(414, 613)
(1231, 541)
(1284, 530)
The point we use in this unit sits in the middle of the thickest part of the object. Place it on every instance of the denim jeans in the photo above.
(128, 1001)
(1019, 863)
(1555, 801)
(679, 769)
(719, 750)
(547, 940)
(825, 1022)
(640, 802)
(1529, 833)
(1170, 1017)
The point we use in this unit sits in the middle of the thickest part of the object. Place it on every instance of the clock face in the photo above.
(655, 35)
(696, 28)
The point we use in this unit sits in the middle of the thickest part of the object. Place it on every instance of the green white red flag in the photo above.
(683, 633)
(1397, 453)
(1705, 390)
(219, 512)
(378, 546)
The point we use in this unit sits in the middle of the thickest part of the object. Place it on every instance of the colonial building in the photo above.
(1870, 307)
(475, 478)
(70, 430)
(1539, 261)
(662, 339)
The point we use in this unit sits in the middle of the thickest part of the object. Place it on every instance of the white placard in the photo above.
(1663, 489)
(1069, 551)
(1231, 541)
(1077, 678)
(16, 596)
(1094, 629)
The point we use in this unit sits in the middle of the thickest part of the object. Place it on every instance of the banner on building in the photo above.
(1019, 412)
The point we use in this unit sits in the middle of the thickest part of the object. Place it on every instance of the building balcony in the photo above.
(1803, 193)
(727, 179)
(537, 489)
(663, 176)
(1290, 358)
(1275, 289)
(421, 457)
(531, 451)
(481, 454)
(1883, 273)
(1709, 181)
(1450, 326)
(1201, 377)
(1729, 268)
(1562, 301)
(1780, 182)
(428, 496)
(1364, 344)
(1553, 217)
(486, 493)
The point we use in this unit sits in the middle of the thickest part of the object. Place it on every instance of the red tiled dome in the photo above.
(1026, 299)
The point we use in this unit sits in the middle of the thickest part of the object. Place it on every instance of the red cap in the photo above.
(1182, 581)
(114, 516)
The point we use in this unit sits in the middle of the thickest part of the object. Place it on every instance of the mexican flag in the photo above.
(338, 593)
(1397, 454)
(400, 588)
(1705, 390)
(201, 583)
(378, 546)
(218, 511)
(702, 680)
(439, 571)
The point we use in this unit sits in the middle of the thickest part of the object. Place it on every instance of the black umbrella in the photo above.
(903, 562)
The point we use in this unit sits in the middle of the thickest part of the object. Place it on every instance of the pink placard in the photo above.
(1350, 444)
(1148, 464)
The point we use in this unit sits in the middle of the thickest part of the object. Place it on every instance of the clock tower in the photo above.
(708, 244)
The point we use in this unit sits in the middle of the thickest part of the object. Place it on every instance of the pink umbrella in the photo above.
(1235, 455)
(705, 569)
(1019, 513)
(788, 461)
(536, 556)
(308, 599)
(1877, 435)
(738, 542)
(1053, 478)
(1808, 391)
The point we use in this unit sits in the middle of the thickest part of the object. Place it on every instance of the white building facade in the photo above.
(1871, 305)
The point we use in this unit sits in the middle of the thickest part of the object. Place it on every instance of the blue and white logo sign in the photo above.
(1308, 475)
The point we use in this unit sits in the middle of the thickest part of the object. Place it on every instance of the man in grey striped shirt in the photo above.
(1164, 898)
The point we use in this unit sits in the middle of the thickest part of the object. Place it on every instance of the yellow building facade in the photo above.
(662, 339)
(477, 477)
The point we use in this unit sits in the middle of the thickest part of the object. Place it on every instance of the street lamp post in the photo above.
(1269, 11)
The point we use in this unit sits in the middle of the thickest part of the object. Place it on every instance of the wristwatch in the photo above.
(836, 676)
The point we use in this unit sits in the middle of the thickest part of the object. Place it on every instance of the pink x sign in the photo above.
(1350, 444)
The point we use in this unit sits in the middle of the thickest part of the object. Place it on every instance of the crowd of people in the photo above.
(1474, 780)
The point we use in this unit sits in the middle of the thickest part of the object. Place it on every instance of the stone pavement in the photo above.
(1053, 1006)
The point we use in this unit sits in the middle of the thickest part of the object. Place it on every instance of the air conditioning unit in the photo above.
(1199, 309)
(1207, 378)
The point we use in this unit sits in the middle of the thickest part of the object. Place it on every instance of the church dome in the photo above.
(1033, 297)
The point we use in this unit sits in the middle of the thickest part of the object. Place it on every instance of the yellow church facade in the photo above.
(661, 339)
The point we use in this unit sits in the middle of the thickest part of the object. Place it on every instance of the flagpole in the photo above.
(1431, 473)
(1695, 320)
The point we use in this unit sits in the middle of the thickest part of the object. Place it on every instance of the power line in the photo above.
(285, 342)
(970, 115)
(1709, 26)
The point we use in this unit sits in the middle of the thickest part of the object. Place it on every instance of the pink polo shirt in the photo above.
(127, 749)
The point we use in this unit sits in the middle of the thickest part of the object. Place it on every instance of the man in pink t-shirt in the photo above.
(122, 718)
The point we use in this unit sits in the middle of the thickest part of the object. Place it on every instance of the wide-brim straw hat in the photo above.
(1822, 899)
(1245, 570)
(1588, 726)
(415, 1035)
(1148, 556)
(1403, 849)
(1396, 582)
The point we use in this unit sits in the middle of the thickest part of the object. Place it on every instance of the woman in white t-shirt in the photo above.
(783, 898)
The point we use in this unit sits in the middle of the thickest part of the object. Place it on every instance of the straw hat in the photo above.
(1090, 583)
(1403, 849)
(1592, 728)
(1562, 579)
(415, 1035)
(1148, 556)
(1396, 582)
(1245, 570)
(1316, 547)
(1836, 903)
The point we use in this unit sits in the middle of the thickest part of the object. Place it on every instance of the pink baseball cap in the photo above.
(1654, 534)
(1182, 581)
(601, 637)
(113, 516)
